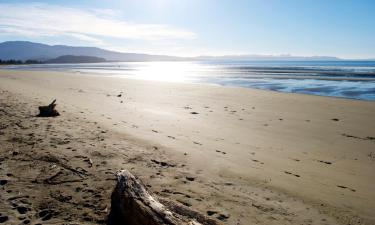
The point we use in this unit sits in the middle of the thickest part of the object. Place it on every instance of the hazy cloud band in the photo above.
(33, 20)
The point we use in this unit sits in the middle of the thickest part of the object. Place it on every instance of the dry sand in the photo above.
(241, 156)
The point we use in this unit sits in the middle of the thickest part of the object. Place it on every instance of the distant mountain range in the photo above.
(24, 50)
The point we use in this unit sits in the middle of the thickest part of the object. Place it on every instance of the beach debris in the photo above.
(49, 110)
(132, 204)
(89, 161)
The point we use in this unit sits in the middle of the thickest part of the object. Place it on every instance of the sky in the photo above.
(342, 28)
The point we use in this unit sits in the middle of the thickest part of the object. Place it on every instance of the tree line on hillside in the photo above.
(60, 59)
(19, 62)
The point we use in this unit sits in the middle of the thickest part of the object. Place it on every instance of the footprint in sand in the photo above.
(163, 164)
(222, 217)
(325, 162)
(356, 137)
(3, 219)
(22, 209)
(257, 161)
(46, 214)
(344, 187)
(289, 173)
(190, 178)
(3, 182)
(210, 213)
(221, 152)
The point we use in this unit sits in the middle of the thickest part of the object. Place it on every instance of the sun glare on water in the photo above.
(166, 71)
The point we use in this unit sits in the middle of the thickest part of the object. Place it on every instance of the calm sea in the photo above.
(346, 79)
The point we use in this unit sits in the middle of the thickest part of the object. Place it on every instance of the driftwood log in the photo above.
(132, 205)
(49, 110)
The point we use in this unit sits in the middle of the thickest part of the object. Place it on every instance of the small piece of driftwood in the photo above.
(49, 110)
(132, 205)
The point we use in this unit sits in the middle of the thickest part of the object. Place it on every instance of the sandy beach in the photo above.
(240, 156)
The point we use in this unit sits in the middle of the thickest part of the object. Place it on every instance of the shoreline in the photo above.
(300, 90)
(253, 154)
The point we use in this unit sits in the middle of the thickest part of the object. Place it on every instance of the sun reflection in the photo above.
(166, 71)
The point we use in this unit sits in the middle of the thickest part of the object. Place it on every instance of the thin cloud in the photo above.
(32, 20)
(87, 38)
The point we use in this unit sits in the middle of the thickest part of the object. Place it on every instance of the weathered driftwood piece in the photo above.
(133, 205)
(49, 110)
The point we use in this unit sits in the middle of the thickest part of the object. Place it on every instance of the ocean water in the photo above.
(346, 79)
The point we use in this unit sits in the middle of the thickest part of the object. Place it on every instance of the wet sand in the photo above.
(239, 155)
